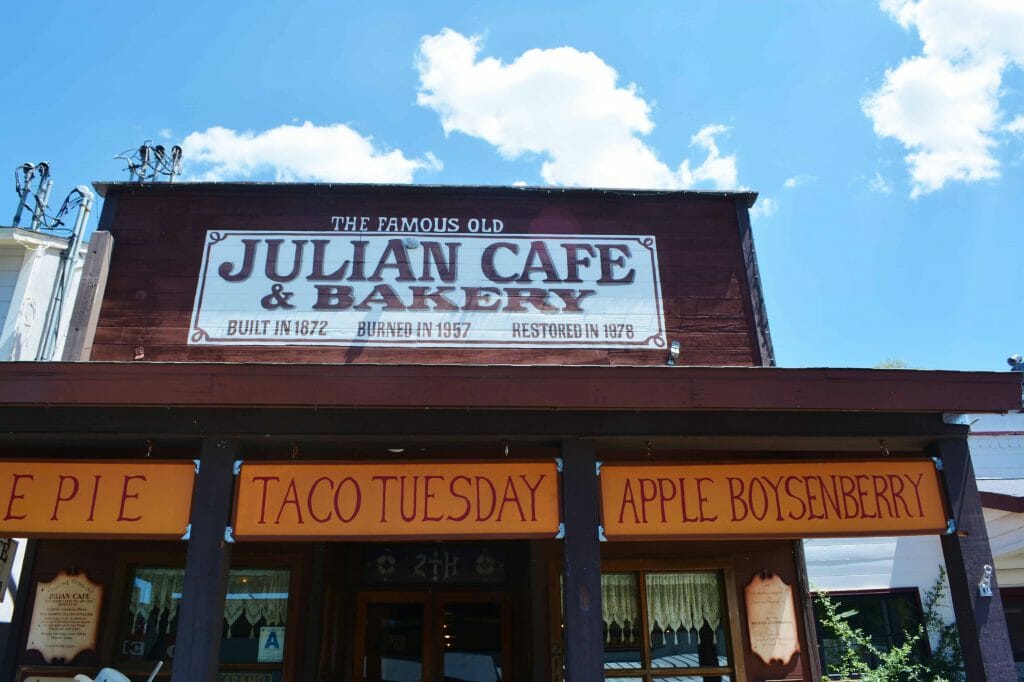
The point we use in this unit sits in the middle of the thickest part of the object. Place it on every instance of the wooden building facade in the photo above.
(351, 433)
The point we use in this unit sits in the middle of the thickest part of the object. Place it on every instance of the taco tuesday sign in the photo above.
(342, 289)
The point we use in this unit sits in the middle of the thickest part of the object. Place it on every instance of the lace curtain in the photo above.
(620, 603)
(253, 594)
(675, 601)
(683, 601)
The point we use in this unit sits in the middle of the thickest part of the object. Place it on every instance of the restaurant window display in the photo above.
(254, 627)
(666, 625)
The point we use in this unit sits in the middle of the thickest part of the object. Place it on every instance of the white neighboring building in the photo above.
(30, 262)
(890, 569)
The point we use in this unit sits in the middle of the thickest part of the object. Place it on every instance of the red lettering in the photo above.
(881, 486)
(533, 494)
(630, 499)
(95, 494)
(737, 496)
(291, 496)
(861, 494)
(849, 497)
(664, 497)
(794, 496)
(511, 495)
(60, 490)
(428, 496)
(702, 498)
(812, 498)
(15, 496)
(682, 501)
(357, 504)
(917, 492)
(263, 499)
(479, 500)
(125, 496)
(646, 495)
(464, 498)
(309, 499)
(402, 496)
(384, 480)
(896, 489)
(764, 498)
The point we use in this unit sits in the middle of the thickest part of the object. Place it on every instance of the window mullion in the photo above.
(645, 629)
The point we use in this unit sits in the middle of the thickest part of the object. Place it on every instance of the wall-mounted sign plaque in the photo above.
(8, 548)
(456, 290)
(140, 499)
(65, 617)
(771, 619)
(772, 499)
(437, 500)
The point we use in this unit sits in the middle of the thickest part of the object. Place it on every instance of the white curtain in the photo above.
(156, 590)
(683, 601)
(253, 594)
(620, 602)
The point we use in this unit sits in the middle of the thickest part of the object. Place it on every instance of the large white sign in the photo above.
(487, 291)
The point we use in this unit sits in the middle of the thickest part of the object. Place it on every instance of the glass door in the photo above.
(392, 637)
(411, 636)
(476, 637)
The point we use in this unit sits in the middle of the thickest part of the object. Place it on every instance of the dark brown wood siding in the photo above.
(159, 234)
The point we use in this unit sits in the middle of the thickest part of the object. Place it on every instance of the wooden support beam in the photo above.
(984, 638)
(584, 645)
(91, 285)
(201, 616)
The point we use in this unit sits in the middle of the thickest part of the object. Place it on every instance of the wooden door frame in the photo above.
(432, 598)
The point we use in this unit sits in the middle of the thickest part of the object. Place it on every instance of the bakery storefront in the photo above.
(347, 433)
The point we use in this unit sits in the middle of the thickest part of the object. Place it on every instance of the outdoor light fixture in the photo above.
(985, 586)
(673, 353)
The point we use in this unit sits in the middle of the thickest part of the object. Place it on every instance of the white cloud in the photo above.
(519, 183)
(943, 105)
(288, 153)
(1016, 125)
(166, 133)
(764, 208)
(879, 184)
(563, 105)
(798, 180)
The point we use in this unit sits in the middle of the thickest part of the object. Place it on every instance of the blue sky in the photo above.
(886, 140)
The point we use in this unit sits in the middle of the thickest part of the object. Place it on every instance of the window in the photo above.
(1013, 607)
(254, 617)
(885, 616)
(662, 626)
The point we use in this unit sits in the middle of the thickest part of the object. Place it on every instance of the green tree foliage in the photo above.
(899, 663)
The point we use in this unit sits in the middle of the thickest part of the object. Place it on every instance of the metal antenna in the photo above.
(81, 198)
(148, 163)
(40, 198)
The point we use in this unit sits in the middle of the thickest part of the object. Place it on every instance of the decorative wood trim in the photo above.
(756, 293)
(503, 387)
(91, 287)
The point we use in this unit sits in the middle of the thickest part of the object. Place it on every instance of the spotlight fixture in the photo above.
(673, 353)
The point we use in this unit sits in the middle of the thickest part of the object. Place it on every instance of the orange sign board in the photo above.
(141, 499)
(328, 500)
(772, 500)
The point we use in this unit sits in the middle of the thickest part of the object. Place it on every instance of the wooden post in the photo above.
(983, 634)
(91, 285)
(201, 616)
(584, 645)
(806, 610)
